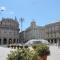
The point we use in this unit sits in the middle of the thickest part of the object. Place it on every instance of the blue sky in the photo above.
(43, 11)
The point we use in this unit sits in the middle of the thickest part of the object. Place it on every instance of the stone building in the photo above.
(50, 32)
(32, 32)
(9, 31)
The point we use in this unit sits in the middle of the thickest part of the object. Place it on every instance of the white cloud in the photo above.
(7, 12)
(2, 8)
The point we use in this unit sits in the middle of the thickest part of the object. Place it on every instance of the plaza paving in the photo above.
(55, 53)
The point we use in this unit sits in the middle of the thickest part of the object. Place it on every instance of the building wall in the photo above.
(33, 32)
(53, 32)
(50, 32)
(9, 31)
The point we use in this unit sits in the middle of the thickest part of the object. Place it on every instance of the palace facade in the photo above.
(9, 31)
(50, 32)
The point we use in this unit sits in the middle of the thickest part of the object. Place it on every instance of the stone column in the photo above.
(16, 41)
(50, 41)
(58, 42)
(2, 41)
(53, 41)
(12, 40)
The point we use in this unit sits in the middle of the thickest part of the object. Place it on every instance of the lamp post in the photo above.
(21, 24)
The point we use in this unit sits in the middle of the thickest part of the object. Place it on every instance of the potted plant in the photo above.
(43, 51)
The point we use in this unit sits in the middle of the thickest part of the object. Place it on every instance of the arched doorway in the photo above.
(10, 41)
(4, 41)
(48, 40)
(55, 41)
(0, 41)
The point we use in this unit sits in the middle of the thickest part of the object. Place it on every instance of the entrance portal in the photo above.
(5, 41)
